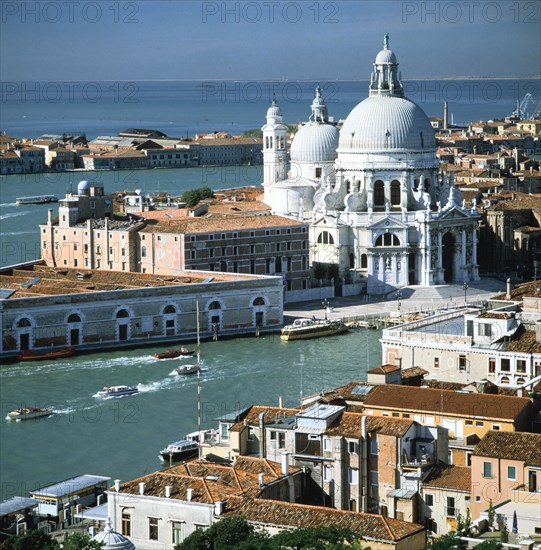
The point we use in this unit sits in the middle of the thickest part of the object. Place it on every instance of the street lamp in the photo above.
(325, 305)
(399, 303)
(465, 288)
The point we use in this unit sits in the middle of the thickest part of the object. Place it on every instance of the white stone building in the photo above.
(378, 207)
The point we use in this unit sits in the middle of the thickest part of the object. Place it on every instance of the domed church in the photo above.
(372, 192)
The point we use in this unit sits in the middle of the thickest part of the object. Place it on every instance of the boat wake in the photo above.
(4, 204)
(14, 214)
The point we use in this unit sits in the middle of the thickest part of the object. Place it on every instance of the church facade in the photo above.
(378, 207)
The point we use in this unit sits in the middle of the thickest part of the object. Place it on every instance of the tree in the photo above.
(490, 515)
(31, 540)
(502, 527)
(489, 545)
(450, 541)
(81, 541)
(463, 523)
(192, 196)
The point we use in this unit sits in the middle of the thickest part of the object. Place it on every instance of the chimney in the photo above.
(261, 480)
(168, 491)
(190, 495)
(117, 485)
(285, 464)
(262, 449)
(219, 508)
(280, 402)
(508, 293)
(50, 216)
(142, 488)
(538, 332)
(445, 115)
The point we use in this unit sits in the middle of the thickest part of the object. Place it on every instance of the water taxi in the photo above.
(312, 328)
(179, 450)
(118, 391)
(174, 353)
(186, 369)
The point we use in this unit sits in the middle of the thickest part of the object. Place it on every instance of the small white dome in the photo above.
(112, 539)
(83, 185)
(385, 56)
(387, 123)
(315, 142)
(274, 110)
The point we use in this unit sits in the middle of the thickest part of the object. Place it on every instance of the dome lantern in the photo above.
(385, 79)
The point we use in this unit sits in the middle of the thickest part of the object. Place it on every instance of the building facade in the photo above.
(377, 207)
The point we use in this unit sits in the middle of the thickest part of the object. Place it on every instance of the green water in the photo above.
(121, 438)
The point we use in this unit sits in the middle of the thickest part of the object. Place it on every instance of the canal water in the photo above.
(121, 437)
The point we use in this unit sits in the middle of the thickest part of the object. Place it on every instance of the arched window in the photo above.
(520, 381)
(387, 239)
(223, 266)
(215, 305)
(364, 261)
(169, 309)
(379, 193)
(143, 251)
(24, 323)
(259, 301)
(278, 265)
(505, 380)
(122, 313)
(74, 318)
(325, 238)
(126, 522)
(395, 193)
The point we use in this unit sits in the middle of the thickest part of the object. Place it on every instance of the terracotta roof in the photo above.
(221, 223)
(522, 446)
(524, 341)
(272, 415)
(413, 372)
(57, 281)
(210, 482)
(411, 398)
(165, 215)
(289, 515)
(349, 425)
(384, 369)
(445, 476)
(523, 290)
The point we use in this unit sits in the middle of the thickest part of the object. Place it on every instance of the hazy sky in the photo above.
(181, 39)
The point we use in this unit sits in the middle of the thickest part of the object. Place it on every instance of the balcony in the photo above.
(521, 493)
(421, 461)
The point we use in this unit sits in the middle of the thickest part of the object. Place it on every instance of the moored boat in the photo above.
(117, 391)
(29, 355)
(174, 353)
(26, 413)
(180, 450)
(312, 328)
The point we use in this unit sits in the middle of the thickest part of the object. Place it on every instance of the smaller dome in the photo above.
(315, 142)
(274, 110)
(83, 185)
(112, 539)
(385, 56)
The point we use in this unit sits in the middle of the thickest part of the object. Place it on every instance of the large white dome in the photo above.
(315, 142)
(385, 56)
(381, 123)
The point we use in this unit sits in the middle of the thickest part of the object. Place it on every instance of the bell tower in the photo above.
(274, 146)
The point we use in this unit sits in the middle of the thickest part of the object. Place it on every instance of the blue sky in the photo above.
(182, 39)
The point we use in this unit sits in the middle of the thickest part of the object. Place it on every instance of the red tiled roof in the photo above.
(411, 398)
(289, 515)
(449, 477)
(522, 446)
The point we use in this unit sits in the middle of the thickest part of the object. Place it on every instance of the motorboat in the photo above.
(186, 369)
(40, 199)
(180, 450)
(118, 391)
(29, 355)
(174, 353)
(312, 328)
(27, 413)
